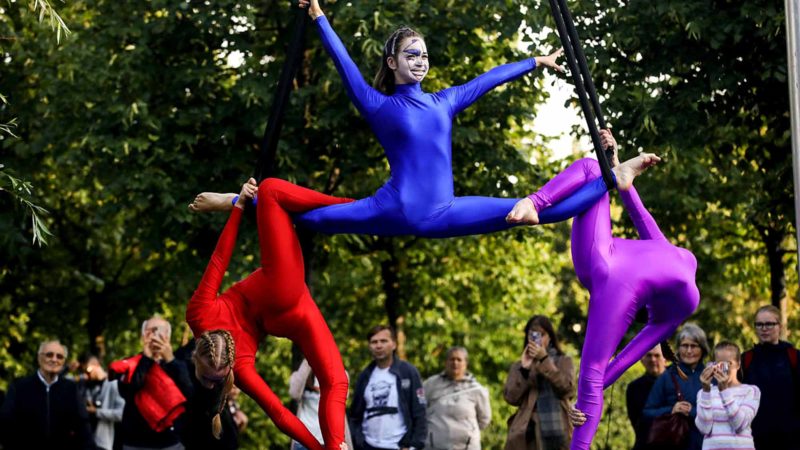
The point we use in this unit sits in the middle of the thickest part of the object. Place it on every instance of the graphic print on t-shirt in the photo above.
(383, 424)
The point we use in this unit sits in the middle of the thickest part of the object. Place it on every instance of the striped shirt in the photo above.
(724, 417)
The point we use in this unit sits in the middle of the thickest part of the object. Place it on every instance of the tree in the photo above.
(679, 77)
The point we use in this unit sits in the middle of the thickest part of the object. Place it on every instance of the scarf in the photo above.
(548, 405)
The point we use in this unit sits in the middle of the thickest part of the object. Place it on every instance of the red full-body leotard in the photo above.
(275, 300)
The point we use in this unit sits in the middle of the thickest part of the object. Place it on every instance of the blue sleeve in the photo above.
(658, 401)
(460, 97)
(365, 98)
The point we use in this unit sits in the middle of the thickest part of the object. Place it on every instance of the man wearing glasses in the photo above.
(772, 365)
(155, 386)
(44, 410)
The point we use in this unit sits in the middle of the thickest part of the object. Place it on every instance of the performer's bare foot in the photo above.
(523, 212)
(632, 168)
(212, 202)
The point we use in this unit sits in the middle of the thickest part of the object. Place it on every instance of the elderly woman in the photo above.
(663, 399)
(458, 406)
(541, 384)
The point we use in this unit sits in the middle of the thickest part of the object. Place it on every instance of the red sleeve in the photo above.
(251, 383)
(204, 301)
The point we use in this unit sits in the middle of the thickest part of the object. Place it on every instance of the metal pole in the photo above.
(792, 47)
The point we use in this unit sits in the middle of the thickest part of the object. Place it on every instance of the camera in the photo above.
(723, 366)
(535, 336)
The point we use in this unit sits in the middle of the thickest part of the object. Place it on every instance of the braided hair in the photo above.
(216, 349)
(384, 79)
(670, 355)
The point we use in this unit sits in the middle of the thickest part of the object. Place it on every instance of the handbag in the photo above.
(669, 430)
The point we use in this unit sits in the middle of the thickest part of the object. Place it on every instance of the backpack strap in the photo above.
(747, 359)
(792, 353)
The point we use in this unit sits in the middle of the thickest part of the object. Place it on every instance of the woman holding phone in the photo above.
(725, 406)
(540, 384)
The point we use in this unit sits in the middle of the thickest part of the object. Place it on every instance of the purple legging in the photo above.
(622, 275)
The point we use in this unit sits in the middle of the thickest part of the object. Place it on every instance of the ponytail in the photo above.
(666, 349)
(217, 350)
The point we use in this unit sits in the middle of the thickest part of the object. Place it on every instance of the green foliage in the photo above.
(122, 124)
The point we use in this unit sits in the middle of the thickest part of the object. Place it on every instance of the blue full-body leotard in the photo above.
(414, 128)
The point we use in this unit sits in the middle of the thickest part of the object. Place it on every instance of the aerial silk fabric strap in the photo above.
(587, 95)
(269, 144)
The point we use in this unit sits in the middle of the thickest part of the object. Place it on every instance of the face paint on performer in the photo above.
(411, 65)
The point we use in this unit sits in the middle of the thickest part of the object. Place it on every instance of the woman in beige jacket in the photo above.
(458, 406)
(541, 384)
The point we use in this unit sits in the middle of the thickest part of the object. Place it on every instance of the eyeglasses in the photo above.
(689, 346)
(766, 325)
(58, 356)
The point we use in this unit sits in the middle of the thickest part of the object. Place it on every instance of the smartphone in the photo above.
(535, 336)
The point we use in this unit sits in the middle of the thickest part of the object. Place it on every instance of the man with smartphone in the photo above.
(155, 386)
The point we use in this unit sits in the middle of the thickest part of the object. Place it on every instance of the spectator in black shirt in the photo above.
(637, 392)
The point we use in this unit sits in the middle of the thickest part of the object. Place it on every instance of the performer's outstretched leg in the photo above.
(281, 256)
(611, 312)
(316, 341)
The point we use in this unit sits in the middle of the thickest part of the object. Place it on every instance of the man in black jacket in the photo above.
(388, 409)
(135, 431)
(637, 392)
(44, 410)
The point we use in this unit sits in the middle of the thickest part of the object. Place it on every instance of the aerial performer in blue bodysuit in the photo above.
(414, 128)
(623, 276)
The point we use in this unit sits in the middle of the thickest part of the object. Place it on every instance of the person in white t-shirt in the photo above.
(388, 410)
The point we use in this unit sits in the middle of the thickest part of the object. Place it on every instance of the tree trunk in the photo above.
(777, 267)
(95, 327)
(391, 287)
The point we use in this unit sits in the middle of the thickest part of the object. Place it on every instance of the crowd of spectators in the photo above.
(156, 400)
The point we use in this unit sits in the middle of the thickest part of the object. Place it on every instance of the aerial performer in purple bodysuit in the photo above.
(622, 276)
(414, 128)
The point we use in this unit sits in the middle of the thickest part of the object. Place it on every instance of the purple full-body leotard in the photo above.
(622, 275)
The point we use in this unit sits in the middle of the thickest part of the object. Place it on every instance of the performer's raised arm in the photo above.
(461, 97)
(365, 98)
(208, 289)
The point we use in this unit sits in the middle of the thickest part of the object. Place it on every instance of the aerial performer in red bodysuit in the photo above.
(274, 300)
(414, 128)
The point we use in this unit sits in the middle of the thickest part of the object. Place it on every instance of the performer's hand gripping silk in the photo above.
(622, 276)
(272, 300)
(414, 128)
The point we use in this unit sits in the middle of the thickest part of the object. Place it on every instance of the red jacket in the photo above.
(160, 401)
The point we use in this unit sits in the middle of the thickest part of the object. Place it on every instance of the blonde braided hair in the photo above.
(217, 350)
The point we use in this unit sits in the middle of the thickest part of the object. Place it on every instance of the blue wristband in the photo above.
(235, 199)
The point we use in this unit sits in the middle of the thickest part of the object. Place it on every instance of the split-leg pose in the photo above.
(414, 127)
(272, 300)
(622, 276)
